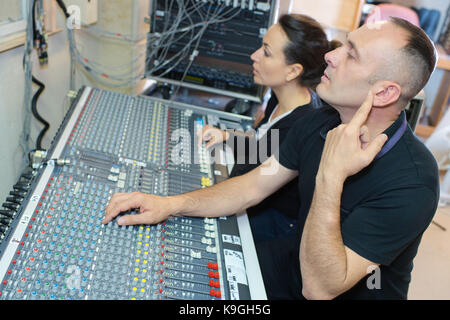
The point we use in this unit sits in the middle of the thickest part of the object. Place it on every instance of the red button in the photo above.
(218, 294)
(212, 292)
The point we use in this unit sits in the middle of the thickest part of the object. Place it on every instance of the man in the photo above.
(368, 187)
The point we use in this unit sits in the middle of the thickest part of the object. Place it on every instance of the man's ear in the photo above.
(294, 71)
(386, 93)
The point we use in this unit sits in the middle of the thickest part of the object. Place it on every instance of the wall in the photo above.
(125, 16)
(11, 104)
(122, 17)
(433, 84)
(440, 5)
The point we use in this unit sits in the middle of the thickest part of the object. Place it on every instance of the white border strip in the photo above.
(254, 276)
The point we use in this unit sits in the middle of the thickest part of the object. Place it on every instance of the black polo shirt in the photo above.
(385, 208)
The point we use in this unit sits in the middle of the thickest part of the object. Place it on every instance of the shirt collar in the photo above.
(394, 132)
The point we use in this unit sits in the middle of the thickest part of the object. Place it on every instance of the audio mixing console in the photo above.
(57, 248)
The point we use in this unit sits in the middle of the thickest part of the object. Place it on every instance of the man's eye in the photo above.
(350, 56)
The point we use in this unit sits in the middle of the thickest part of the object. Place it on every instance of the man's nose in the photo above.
(332, 58)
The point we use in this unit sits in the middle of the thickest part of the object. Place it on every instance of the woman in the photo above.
(290, 62)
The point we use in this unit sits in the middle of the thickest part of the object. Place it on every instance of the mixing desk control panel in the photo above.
(57, 247)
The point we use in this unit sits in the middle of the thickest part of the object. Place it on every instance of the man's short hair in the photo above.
(420, 58)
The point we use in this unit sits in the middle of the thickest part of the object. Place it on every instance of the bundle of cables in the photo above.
(40, 44)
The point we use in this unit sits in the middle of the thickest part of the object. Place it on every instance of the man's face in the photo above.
(347, 78)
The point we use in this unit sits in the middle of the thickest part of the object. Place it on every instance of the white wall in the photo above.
(125, 16)
(433, 84)
(12, 81)
(118, 16)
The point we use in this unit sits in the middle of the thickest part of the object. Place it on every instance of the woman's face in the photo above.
(269, 64)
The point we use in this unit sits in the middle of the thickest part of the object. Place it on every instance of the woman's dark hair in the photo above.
(307, 45)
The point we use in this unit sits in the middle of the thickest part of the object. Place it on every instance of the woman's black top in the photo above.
(286, 200)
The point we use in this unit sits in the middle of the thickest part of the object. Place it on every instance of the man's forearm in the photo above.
(236, 194)
(225, 198)
(322, 252)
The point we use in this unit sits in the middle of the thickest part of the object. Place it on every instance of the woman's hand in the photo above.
(212, 135)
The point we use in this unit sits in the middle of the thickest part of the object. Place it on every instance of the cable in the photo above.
(63, 8)
(36, 113)
(69, 36)
(183, 29)
(27, 66)
(195, 50)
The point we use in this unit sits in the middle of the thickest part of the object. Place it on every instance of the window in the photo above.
(12, 16)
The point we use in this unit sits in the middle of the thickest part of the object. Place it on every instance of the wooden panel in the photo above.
(441, 100)
(443, 58)
(340, 14)
(424, 131)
